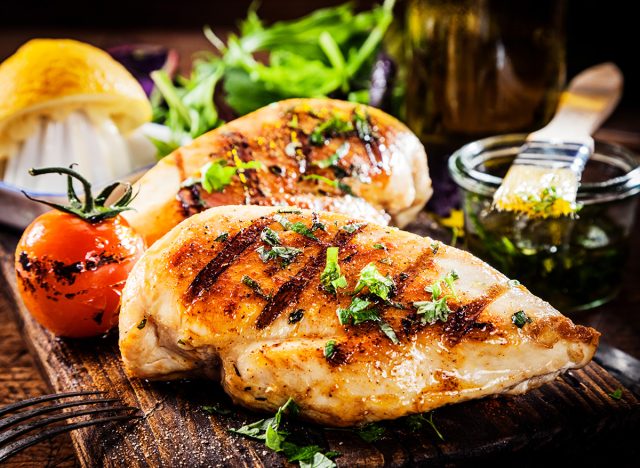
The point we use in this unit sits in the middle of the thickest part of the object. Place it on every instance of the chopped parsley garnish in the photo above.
(371, 278)
(435, 246)
(296, 316)
(331, 278)
(334, 183)
(217, 408)
(255, 287)
(296, 227)
(317, 224)
(379, 247)
(520, 319)
(332, 160)
(351, 228)
(269, 431)
(216, 175)
(359, 312)
(330, 349)
(142, 324)
(616, 394)
(222, 237)
(437, 308)
(513, 283)
(270, 236)
(370, 432)
(331, 127)
(417, 421)
(277, 170)
(286, 255)
(387, 330)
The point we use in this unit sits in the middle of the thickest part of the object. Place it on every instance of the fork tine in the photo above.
(22, 444)
(24, 428)
(34, 401)
(15, 418)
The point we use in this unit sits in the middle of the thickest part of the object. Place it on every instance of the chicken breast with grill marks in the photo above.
(320, 154)
(251, 296)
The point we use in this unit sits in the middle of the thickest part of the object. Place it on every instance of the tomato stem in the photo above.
(93, 210)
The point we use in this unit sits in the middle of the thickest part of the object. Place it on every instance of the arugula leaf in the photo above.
(435, 246)
(319, 460)
(332, 160)
(296, 227)
(371, 432)
(371, 278)
(285, 254)
(331, 278)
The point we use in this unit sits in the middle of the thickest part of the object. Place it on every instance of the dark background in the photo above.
(598, 30)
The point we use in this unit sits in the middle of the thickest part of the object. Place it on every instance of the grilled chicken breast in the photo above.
(320, 154)
(209, 299)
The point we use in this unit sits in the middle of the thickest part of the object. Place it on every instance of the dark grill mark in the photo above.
(66, 273)
(424, 262)
(208, 276)
(190, 200)
(252, 190)
(463, 320)
(289, 293)
(98, 317)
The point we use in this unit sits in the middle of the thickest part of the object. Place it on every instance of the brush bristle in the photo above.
(538, 192)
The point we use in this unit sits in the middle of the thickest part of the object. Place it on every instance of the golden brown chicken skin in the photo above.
(211, 299)
(320, 154)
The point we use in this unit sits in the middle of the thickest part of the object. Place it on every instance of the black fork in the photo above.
(11, 431)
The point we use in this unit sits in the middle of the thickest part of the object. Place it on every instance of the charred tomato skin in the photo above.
(70, 272)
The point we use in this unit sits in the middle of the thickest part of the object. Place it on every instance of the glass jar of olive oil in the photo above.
(572, 262)
(479, 68)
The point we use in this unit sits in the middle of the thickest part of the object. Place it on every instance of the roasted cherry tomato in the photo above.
(72, 262)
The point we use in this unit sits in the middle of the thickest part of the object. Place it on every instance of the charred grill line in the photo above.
(402, 279)
(463, 320)
(190, 200)
(289, 293)
(208, 276)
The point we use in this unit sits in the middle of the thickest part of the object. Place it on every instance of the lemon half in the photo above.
(54, 77)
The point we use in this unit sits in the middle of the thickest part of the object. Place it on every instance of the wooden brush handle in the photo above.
(588, 101)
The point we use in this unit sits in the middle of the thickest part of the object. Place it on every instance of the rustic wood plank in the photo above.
(175, 431)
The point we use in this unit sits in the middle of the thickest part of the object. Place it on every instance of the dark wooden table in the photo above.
(618, 321)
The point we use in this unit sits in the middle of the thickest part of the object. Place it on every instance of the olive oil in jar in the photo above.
(479, 68)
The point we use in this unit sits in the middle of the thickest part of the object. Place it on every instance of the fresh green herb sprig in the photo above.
(286, 255)
(255, 287)
(332, 160)
(417, 422)
(359, 311)
(269, 431)
(297, 227)
(216, 175)
(377, 284)
(329, 52)
(330, 349)
(437, 308)
(331, 278)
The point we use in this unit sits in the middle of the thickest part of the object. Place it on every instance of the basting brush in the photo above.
(544, 177)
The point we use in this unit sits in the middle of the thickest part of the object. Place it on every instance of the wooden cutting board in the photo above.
(175, 431)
